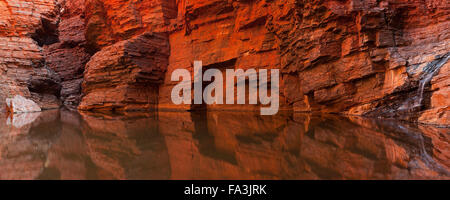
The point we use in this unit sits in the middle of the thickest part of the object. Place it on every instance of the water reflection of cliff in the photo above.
(218, 145)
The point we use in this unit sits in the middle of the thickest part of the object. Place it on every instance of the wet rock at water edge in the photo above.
(20, 104)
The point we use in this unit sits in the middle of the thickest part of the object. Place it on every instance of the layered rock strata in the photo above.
(385, 58)
(69, 56)
(126, 76)
(25, 26)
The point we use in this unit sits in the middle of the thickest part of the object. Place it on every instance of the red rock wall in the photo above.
(125, 76)
(25, 26)
(108, 22)
(131, 49)
(366, 57)
(69, 56)
(384, 58)
(352, 57)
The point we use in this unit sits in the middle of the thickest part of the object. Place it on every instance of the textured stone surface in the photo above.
(20, 104)
(440, 100)
(25, 26)
(68, 57)
(126, 75)
(108, 22)
(385, 58)
(352, 57)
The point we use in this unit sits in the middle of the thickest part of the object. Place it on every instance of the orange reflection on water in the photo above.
(218, 145)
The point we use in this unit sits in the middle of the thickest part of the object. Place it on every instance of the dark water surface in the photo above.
(61, 144)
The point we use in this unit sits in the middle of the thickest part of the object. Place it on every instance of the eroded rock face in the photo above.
(25, 26)
(440, 102)
(373, 58)
(126, 75)
(385, 58)
(131, 49)
(108, 22)
(68, 56)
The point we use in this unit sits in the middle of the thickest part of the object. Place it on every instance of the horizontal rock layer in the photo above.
(385, 58)
(25, 26)
(68, 56)
(126, 75)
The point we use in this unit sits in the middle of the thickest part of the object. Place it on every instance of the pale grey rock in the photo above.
(20, 104)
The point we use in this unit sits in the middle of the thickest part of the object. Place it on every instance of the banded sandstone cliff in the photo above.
(380, 58)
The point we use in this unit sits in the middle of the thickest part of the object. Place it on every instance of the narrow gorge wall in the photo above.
(25, 26)
(374, 58)
(69, 55)
(380, 58)
(132, 48)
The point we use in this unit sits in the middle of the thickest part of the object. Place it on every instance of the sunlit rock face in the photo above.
(223, 35)
(131, 49)
(108, 22)
(25, 26)
(126, 75)
(374, 58)
(385, 58)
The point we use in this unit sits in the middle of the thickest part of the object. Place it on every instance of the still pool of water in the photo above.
(62, 144)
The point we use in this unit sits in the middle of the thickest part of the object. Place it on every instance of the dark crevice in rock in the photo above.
(47, 34)
(46, 81)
